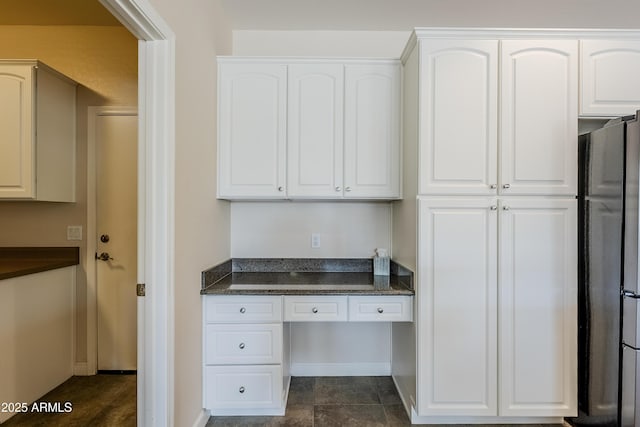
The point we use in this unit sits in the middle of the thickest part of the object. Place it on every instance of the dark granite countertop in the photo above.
(20, 261)
(304, 277)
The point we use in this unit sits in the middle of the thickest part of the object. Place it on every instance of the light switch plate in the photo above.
(74, 232)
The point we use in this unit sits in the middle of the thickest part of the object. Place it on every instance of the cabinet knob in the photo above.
(241, 346)
(243, 310)
(493, 186)
(380, 310)
(506, 186)
(347, 188)
(314, 310)
(280, 189)
(241, 389)
(493, 208)
(505, 208)
(338, 188)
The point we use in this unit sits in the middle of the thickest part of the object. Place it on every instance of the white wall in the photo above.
(283, 229)
(368, 44)
(201, 222)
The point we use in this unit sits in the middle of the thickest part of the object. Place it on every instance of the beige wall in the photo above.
(201, 221)
(104, 61)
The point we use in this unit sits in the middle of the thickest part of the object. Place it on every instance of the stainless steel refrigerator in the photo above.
(608, 341)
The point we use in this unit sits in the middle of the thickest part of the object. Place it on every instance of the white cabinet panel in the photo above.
(312, 308)
(459, 92)
(538, 308)
(242, 387)
(380, 309)
(539, 117)
(457, 344)
(609, 83)
(372, 131)
(315, 138)
(243, 344)
(243, 309)
(252, 108)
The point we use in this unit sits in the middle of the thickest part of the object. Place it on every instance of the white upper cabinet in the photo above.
(372, 131)
(37, 133)
(252, 108)
(309, 129)
(315, 137)
(538, 307)
(609, 83)
(539, 117)
(459, 113)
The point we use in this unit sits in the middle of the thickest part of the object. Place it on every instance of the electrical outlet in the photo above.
(74, 232)
(315, 240)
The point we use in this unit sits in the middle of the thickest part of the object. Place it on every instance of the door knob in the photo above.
(104, 256)
(104, 238)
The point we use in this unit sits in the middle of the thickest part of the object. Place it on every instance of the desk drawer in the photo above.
(237, 387)
(380, 308)
(242, 309)
(315, 308)
(243, 344)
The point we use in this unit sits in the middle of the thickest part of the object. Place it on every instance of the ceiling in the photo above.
(362, 15)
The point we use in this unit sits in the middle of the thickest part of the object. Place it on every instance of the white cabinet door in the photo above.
(315, 136)
(539, 117)
(252, 108)
(538, 308)
(17, 157)
(372, 131)
(457, 345)
(609, 83)
(459, 116)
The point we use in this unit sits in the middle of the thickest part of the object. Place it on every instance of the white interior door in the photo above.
(116, 239)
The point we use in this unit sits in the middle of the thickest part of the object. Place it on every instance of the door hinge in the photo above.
(140, 289)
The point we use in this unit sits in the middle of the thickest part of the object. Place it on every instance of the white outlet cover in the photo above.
(74, 232)
(315, 240)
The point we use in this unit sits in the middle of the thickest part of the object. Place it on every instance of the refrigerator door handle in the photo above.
(630, 294)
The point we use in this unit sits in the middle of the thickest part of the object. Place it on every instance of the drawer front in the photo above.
(380, 309)
(242, 309)
(229, 387)
(243, 344)
(315, 308)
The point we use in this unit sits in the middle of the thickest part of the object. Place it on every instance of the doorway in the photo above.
(113, 141)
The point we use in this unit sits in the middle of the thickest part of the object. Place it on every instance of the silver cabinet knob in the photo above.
(241, 389)
(347, 188)
(314, 310)
(241, 346)
(493, 186)
(243, 310)
(506, 186)
(493, 207)
(505, 208)
(280, 189)
(380, 310)
(338, 188)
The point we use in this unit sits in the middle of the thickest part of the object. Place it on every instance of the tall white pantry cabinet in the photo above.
(494, 127)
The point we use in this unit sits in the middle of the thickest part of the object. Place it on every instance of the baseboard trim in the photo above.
(415, 419)
(339, 369)
(202, 419)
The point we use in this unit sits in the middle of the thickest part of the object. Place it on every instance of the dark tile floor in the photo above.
(333, 401)
(97, 401)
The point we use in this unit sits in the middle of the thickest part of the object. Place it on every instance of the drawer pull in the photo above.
(241, 390)
(314, 310)
(243, 310)
(241, 346)
(380, 310)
